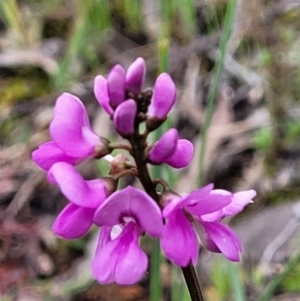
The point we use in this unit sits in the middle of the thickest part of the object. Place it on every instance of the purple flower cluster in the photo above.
(125, 215)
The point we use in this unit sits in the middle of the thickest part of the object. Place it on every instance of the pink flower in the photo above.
(171, 150)
(84, 196)
(73, 138)
(119, 257)
(178, 238)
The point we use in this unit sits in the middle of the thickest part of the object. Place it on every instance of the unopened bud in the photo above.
(118, 164)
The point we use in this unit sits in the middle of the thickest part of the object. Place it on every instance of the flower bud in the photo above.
(124, 117)
(101, 93)
(164, 147)
(118, 164)
(135, 75)
(116, 85)
(164, 95)
(183, 154)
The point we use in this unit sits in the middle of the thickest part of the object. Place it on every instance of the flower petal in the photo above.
(130, 203)
(163, 97)
(135, 75)
(116, 85)
(132, 262)
(49, 153)
(71, 129)
(178, 240)
(124, 117)
(176, 202)
(83, 193)
(105, 259)
(73, 221)
(165, 147)
(203, 204)
(239, 201)
(101, 93)
(183, 154)
(218, 237)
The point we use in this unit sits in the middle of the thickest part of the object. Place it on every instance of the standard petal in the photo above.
(101, 93)
(165, 147)
(178, 240)
(239, 201)
(83, 193)
(135, 75)
(70, 127)
(124, 117)
(197, 196)
(164, 95)
(73, 221)
(130, 203)
(116, 85)
(218, 237)
(207, 203)
(183, 154)
(49, 153)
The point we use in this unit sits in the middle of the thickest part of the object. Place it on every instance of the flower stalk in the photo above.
(138, 148)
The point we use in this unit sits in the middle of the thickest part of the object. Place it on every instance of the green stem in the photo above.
(192, 283)
(138, 148)
(155, 283)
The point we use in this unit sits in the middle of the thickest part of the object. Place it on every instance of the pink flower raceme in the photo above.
(130, 212)
(127, 214)
(73, 138)
(178, 238)
(171, 150)
(84, 196)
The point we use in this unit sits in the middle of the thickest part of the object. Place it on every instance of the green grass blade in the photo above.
(236, 284)
(13, 18)
(132, 12)
(158, 172)
(213, 89)
(187, 10)
(279, 278)
(93, 16)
